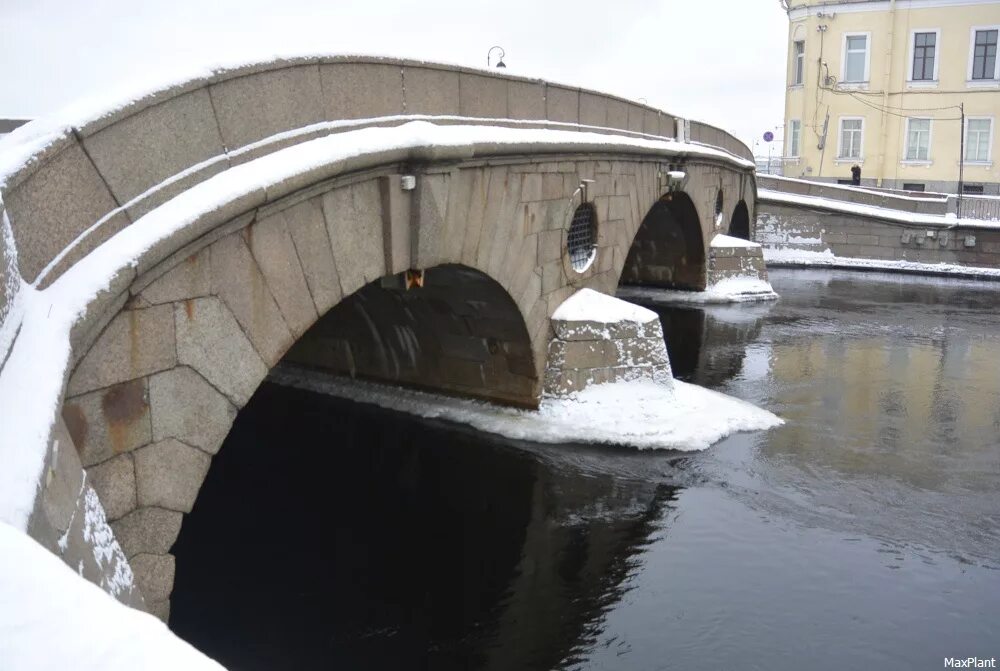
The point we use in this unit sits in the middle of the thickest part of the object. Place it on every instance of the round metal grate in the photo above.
(582, 239)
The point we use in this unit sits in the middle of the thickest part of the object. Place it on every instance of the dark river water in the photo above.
(863, 534)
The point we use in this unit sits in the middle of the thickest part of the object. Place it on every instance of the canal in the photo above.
(864, 533)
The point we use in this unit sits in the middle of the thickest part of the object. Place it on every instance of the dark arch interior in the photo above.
(739, 227)
(668, 250)
(459, 333)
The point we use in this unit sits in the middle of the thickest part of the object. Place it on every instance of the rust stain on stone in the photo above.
(123, 405)
(189, 308)
(76, 424)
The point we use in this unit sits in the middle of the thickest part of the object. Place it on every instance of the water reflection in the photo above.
(861, 534)
(376, 541)
(707, 345)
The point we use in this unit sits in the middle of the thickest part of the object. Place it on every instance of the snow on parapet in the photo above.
(721, 240)
(587, 305)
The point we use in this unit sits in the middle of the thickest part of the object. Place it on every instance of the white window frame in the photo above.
(843, 60)
(906, 142)
(799, 64)
(840, 139)
(794, 148)
(995, 82)
(989, 147)
(928, 83)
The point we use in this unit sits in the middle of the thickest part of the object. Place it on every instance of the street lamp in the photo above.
(500, 63)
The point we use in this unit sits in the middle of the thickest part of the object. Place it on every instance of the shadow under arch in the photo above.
(739, 225)
(668, 249)
(460, 333)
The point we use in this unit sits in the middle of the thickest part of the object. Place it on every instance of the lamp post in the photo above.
(500, 63)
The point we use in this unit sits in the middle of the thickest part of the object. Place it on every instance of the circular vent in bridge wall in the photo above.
(581, 243)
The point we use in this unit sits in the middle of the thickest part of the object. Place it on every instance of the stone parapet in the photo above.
(922, 204)
(98, 175)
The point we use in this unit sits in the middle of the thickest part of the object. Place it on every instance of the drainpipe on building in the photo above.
(886, 82)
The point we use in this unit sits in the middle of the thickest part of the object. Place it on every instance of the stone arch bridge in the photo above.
(202, 234)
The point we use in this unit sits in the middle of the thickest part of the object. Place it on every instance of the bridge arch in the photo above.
(257, 232)
(739, 225)
(669, 248)
(151, 402)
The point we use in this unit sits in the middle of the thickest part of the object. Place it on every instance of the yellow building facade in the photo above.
(881, 84)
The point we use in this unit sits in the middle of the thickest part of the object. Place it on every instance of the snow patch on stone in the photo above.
(721, 240)
(116, 574)
(640, 414)
(587, 305)
(52, 619)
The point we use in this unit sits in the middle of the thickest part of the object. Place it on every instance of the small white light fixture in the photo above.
(408, 182)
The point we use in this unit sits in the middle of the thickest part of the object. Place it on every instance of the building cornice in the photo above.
(801, 11)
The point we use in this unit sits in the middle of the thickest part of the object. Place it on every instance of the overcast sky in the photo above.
(719, 61)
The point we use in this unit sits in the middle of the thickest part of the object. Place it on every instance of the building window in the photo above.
(984, 54)
(913, 186)
(851, 136)
(856, 58)
(918, 139)
(978, 133)
(794, 132)
(581, 242)
(799, 66)
(974, 189)
(924, 51)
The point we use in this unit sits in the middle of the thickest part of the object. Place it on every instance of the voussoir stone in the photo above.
(210, 340)
(354, 222)
(169, 474)
(191, 278)
(238, 281)
(136, 343)
(147, 530)
(188, 408)
(154, 574)
(272, 246)
(114, 482)
(307, 226)
(108, 422)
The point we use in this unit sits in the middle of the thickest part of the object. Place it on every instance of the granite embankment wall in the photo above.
(886, 227)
